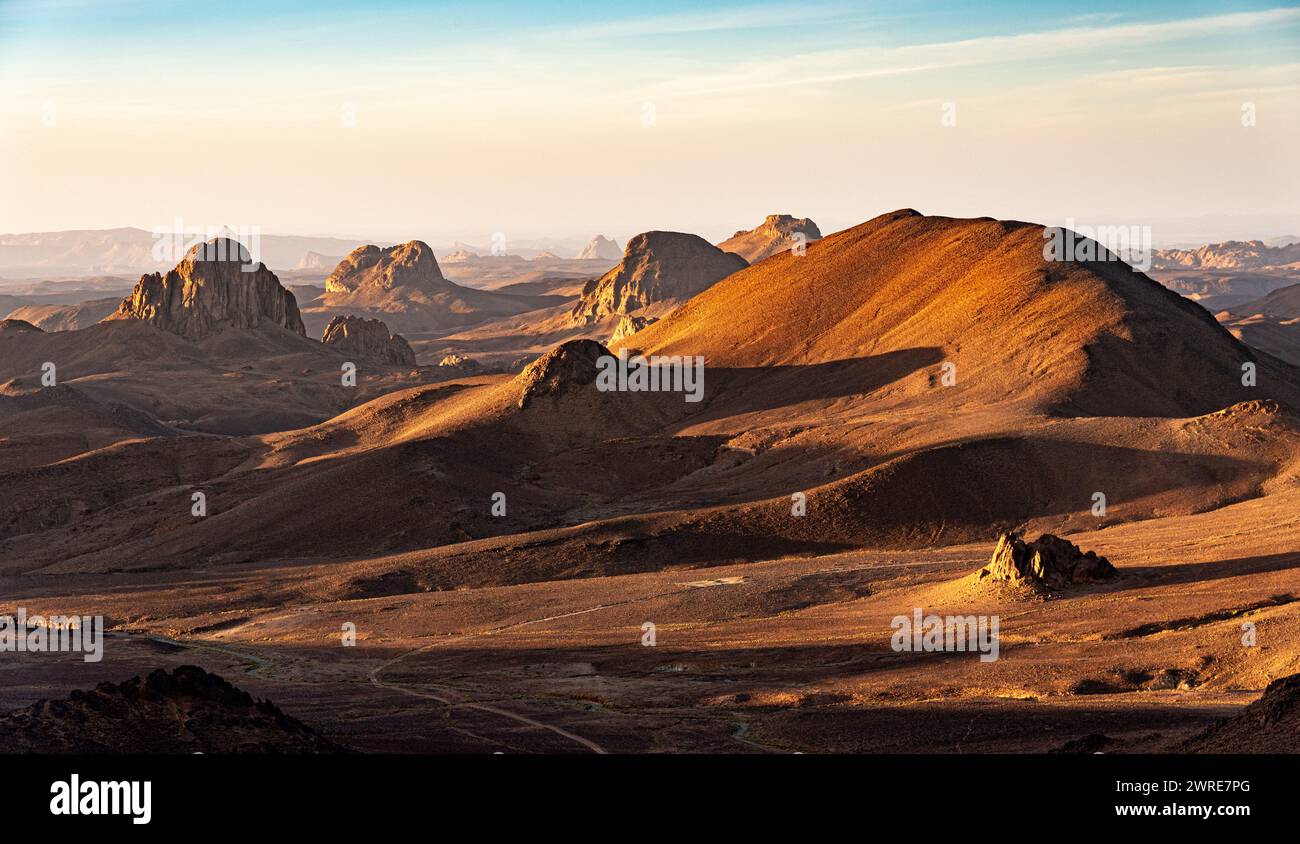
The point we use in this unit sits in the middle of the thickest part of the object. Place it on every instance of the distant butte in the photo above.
(777, 233)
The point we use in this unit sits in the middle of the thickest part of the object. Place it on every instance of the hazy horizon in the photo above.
(549, 121)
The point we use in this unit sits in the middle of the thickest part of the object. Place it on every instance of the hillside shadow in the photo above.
(1142, 577)
(733, 391)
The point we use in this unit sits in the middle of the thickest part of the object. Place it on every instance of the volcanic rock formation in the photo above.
(370, 269)
(775, 234)
(1048, 562)
(405, 286)
(657, 267)
(210, 291)
(368, 338)
(601, 247)
(186, 711)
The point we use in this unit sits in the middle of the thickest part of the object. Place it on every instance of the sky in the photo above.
(390, 120)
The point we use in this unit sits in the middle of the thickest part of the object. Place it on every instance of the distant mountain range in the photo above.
(131, 250)
(1232, 255)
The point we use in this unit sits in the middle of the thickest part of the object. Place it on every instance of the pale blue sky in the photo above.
(455, 120)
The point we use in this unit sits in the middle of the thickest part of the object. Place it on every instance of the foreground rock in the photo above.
(1269, 725)
(209, 291)
(1047, 563)
(186, 711)
(658, 267)
(368, 338)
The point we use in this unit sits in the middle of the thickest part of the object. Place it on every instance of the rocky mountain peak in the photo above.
(601, 247)
(657, 267)
(215, 287)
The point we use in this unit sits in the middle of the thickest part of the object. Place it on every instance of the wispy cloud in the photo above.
(842, 65)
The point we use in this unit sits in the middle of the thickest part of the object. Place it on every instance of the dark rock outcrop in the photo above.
(570, 365)
(185, 711)
(1047, 563)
